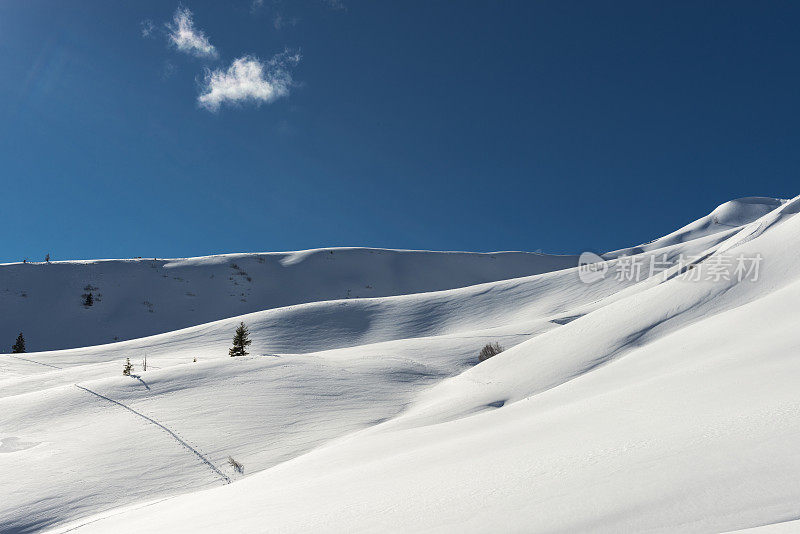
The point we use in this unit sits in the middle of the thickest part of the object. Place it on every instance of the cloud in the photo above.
(256, 5)
(187, 38)
(147, 28)
(248, 80)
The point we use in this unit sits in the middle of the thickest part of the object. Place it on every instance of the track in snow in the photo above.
(34, 361)
(175, 436)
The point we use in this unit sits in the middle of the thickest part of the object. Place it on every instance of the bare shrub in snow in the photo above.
(239, 468)
(489, 350)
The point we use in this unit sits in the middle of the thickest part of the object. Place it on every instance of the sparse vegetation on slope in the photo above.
(241, 339)
(19, 346)
(489, 350)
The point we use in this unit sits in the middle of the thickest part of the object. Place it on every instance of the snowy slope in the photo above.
(621, 406)
(687, 446)
(142, 297)
(725, 219)
(136, 298)
(263, 409)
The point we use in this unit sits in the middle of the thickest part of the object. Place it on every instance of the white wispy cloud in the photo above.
(186, 38)
(147, 28)
(248, 80)
(255, 5)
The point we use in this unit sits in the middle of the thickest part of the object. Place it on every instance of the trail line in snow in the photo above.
(175, 436)
(34, 361)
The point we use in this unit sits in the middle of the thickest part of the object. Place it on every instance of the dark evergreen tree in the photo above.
(19, 346)
(127, 368)
(240, 341)
(88, 299)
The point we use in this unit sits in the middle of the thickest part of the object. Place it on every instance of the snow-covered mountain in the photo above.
(142, 297)
(658, 396)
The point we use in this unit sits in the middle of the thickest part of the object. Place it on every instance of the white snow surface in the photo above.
(142, 297)
(663, 405)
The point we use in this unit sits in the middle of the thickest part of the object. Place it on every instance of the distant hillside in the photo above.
(142, 297)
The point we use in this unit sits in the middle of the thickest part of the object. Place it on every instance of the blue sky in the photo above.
(130, 129)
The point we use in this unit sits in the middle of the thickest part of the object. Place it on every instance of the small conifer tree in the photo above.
(19, 346)
(241, 340)
(88, 299)
(127, 368)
